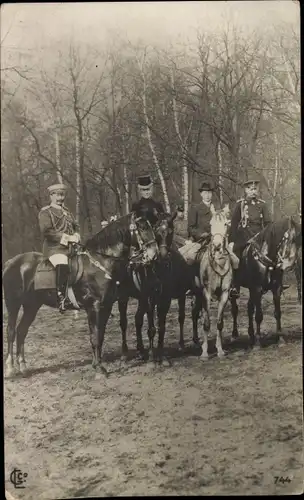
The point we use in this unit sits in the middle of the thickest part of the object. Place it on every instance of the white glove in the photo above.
(230, 246)
(187, 242)
(76, 237)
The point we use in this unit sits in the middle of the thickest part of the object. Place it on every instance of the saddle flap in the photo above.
(45, 276)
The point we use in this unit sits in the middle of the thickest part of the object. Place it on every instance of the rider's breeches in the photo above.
(58, 258)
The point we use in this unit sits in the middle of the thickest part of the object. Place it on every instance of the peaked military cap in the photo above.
(206, 186)
(144, 181)
(57, 187)
(251, 181)
(180, 207)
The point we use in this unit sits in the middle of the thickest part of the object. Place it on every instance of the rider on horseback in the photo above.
(200, 216)
(146, 206)
(58, 228)
(250, 216)
(180, 226)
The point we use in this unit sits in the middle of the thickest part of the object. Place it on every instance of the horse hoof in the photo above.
(101, 372)
(22, 368)
(124, 358)
(181, 347)
(221, 354)
(281, 342)
(204, 357)
(10, 372)
(256, 347)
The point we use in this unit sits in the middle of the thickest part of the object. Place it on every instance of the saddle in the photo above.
(45, 276)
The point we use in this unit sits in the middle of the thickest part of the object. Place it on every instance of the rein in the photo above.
(132, 259)
(212, 258)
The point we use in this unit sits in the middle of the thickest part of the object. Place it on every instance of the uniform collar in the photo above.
(54, 205)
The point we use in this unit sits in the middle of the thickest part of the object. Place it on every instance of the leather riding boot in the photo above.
(234, 290)
(62, 274)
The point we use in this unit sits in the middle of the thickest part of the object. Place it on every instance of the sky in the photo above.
(26, 25)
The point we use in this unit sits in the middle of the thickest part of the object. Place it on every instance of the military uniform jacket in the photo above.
(248, 218)
(180, 231)
(148, 208)
(200, 216)
(53, 222)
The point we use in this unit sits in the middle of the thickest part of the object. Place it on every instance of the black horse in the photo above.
(144, 285)
(96, 279)
(262, 264)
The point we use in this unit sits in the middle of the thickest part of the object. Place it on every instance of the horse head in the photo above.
(143, 239)
(287, 248)
(164, 230)
(219, 225)
(129, 235)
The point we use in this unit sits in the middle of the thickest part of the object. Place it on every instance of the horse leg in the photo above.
(220, 323)
(234, 312)
(151, 329)
(30, 310)
(250, 311)
(98, 316)
(276, 292)
(139, 319)
(207, 297)
(196, 306)
(162, 311)
(123, 322)
(258, 315)
(298, 275)
(12, 310)
(181, 320)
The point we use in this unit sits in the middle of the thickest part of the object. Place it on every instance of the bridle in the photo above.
(225, 254)
(140, 255)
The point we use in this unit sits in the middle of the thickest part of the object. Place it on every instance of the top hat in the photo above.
(206, 186)
(144, 181)
(56, 187)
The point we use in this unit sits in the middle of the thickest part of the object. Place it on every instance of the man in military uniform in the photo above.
(58, 228)
(250, 216)
(146, 206)
(180, 226)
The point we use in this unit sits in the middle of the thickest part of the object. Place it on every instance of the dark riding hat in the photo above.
(144, 181)
(206, 186)
(180, 207)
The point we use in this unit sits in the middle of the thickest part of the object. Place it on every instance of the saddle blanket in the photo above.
(45, 278)
(189, 251)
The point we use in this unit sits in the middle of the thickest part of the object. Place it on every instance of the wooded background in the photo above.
(97, 117)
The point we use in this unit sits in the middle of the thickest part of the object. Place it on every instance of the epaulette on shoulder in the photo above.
(262, 201)
(45, 208)
(241, 199)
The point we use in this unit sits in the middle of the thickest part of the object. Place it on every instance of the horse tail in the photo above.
(12, 283)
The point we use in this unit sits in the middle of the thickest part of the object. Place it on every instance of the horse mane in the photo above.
(115, 232)
(273, 233)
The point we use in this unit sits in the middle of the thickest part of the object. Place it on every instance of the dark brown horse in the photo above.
(169, 277)
(262, 264)
(97, 283)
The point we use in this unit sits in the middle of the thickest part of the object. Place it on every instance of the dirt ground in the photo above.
(228, 426)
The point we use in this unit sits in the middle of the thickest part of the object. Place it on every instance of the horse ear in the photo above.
(226, 209)
(212, 209)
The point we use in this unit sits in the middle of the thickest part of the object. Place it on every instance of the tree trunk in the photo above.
(220, 170)
(78, 181)
(148, 132)
(57, 150)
